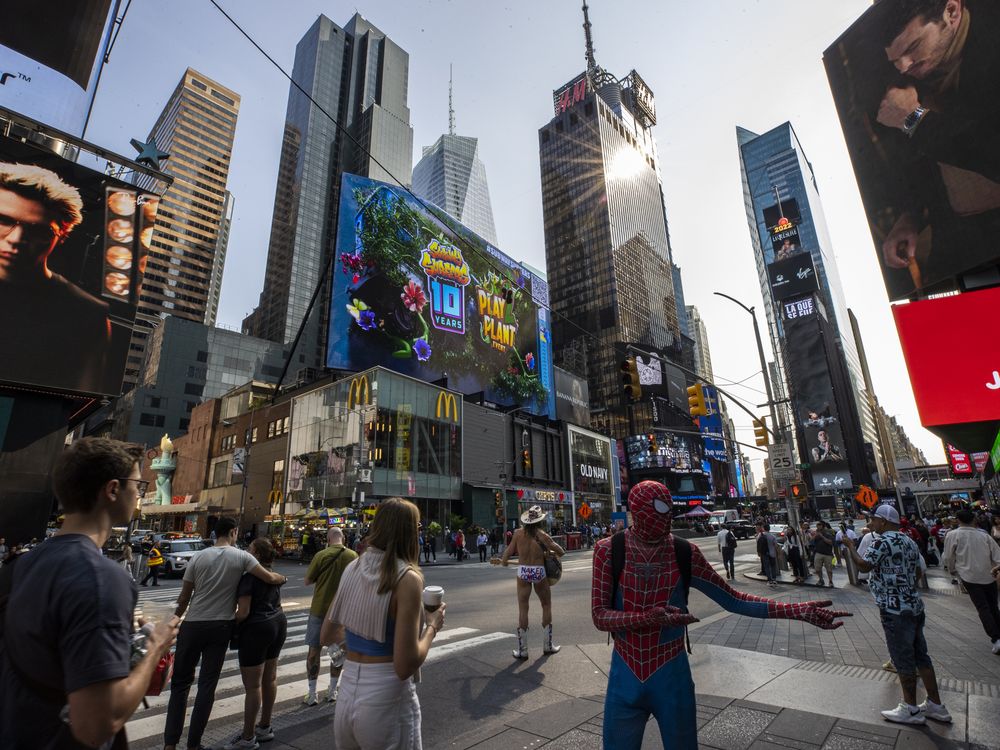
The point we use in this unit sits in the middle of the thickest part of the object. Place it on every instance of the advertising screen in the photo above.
(665, 450)
(813, 403)
(590, 455)
(416, 292)
(572, 398)
(73, 246)
(967, 390)
(782, 222)
(922, 132)
(793, 277)
(50, 53)
(959, 461)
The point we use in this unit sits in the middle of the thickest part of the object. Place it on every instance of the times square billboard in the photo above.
(73, 250)
(51, 52)
(921, 126)
(417, 292)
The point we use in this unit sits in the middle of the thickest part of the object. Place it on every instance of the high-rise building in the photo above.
(451, 175)
(779, 184)
(188, 248)
(606, 242)
(702, 353)
(359, 76)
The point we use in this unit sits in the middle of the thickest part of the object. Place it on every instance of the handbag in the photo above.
(553, 565)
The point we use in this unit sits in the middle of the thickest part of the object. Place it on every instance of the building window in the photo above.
(270, 429)
(183, 424)
(193, 389)
(253, 435)
(220, 474)
(156, 402)
(151, 420)
(284, 426)
(202, 356)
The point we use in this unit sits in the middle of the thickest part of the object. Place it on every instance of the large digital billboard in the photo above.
(572, 398)
(917, 90)
(792, 277)
(417, 292)
(50, 57)
(782, 222)
(954, 371)
(813, 402)
(73, 247)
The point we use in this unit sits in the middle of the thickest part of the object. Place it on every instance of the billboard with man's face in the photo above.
(919, 103)
(73, 247)
(50, 57)
(417, 292)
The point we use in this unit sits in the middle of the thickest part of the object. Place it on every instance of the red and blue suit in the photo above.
(650, 674)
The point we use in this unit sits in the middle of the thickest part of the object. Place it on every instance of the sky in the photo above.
(711, 66)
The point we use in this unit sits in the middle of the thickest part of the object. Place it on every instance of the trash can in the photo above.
(572, 540)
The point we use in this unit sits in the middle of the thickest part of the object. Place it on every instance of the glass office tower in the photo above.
(778, 182)
(359, 76)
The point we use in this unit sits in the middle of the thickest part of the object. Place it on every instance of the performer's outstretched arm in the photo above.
(611, 620)
(706, 580)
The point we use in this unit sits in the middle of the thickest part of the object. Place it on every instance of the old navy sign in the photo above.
(594, 472)
(955, 374)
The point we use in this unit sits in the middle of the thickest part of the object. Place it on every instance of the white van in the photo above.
(721, 517)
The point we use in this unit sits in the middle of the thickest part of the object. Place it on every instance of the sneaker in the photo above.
(889, 666)
(331, 695)
(263, 734)
(239, 744)
(996, 646)
(935, 711)
(310, 700)
(903, 714)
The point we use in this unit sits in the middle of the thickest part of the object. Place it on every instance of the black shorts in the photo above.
(261, 640)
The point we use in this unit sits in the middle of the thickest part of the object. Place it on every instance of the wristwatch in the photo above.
(913, 120)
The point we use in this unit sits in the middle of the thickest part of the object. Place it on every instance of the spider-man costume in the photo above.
(649, 666)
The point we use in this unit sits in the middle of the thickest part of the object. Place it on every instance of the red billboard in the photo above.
(955, 373)
(960, 463)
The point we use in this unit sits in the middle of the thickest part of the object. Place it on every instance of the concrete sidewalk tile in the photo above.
(734, 673)
(575, 739)
(735, 728)
(883, 729)
(799, 725)
(884, 741)
(917, 739)
(510, 738)
(984, 721)
(846, 742)
(557, 719)
(757, 706)
(712, 701)
(768, 741)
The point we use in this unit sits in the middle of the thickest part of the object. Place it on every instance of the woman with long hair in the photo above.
(378, 618)
(262, 629)
(531, 545)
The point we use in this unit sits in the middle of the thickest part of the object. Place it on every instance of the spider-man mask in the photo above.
(652, 510)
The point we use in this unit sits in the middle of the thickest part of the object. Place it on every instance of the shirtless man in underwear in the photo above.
(531, 544)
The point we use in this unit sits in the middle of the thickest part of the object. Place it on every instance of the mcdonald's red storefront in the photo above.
(375, 435)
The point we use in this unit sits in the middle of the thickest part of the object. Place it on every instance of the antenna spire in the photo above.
(451, 109)
(591, 61)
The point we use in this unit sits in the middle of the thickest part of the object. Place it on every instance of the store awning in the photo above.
(160, 510)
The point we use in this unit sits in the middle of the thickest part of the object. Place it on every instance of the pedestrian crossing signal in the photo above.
(799, 491)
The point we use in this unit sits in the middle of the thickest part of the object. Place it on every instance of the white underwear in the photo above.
(531, 573)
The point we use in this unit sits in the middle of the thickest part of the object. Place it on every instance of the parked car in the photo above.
(177, 553)
(778, 529)
(742, 529)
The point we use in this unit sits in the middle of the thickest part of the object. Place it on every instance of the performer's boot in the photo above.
(549, 648)
(522, 644)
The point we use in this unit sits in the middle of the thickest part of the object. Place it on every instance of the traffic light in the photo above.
(652, 443)
(696, 401)
(799, 491)
(760, 431)
(498, 507)
(630, 379)
(526, 459)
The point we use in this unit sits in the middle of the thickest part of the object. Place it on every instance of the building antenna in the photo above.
(777, 197)
(451, 109)
(591, 60)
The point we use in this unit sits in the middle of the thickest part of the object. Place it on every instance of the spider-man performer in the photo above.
(649, 666)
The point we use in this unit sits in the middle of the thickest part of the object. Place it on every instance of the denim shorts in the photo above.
(904, 635)
(313, 626)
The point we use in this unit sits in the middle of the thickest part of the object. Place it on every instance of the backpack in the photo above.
(682, 550)
(731, 542)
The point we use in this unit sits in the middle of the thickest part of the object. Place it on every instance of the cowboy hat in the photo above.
(534, 514)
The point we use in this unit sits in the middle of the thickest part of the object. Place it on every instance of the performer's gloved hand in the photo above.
(673, 617)
(815, 613)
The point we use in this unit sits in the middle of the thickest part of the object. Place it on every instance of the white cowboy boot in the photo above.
(549, 648)
(522, 644)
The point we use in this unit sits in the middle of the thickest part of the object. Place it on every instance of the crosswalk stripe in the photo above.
(150, 723)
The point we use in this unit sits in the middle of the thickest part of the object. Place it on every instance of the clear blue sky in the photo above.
(712, 66)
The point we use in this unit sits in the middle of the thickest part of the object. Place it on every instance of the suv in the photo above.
(742, 529)
(177, 553)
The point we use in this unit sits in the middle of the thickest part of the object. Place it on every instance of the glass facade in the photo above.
(606, 243)
(451, 176)
(774, 166)
(406, 432)
(359, 76)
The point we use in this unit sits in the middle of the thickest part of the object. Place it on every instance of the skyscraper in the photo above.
(359, 76)
(188, 248)
(606, 242)
(451, 176)
(702, 353)
(779, 186)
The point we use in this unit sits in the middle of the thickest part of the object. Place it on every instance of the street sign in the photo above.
(584, 511)
(867, 497)
(779, 458)
(240, 458)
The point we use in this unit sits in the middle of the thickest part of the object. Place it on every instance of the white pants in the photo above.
(376, 710)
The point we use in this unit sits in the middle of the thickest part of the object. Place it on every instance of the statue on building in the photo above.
(164, 465)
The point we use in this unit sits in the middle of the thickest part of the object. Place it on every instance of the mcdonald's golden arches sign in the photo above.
(447, 404)
(359, 393)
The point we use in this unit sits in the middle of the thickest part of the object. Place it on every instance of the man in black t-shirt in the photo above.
(65, 673)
